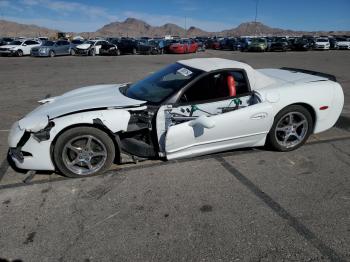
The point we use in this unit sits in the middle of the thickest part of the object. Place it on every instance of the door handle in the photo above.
(259, 116)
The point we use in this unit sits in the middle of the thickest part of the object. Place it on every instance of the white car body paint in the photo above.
(85, 46)
(244, 127)
(343, 44)
(25, 48)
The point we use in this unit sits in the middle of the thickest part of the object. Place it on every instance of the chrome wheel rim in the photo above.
(291, 129)
(84, 155)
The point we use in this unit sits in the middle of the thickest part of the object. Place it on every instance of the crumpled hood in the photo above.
(83, 46)
(85, 98)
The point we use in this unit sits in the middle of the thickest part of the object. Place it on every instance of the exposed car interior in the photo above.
(215, 86)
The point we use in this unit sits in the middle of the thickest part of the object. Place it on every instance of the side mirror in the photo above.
(203, 121)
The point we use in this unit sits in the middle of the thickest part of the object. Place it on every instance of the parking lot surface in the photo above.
(242, 205)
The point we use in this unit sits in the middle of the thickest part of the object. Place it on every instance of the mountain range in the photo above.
(133, 27)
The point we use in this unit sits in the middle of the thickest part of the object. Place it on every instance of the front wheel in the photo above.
(291, 128)
(19, 53)
(83, 151)
(92, 52)
(72, 52)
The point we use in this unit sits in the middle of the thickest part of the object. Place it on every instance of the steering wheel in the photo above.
(184, 98)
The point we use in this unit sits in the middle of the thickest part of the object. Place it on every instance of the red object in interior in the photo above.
(231, 85)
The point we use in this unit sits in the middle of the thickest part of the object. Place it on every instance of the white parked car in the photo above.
(322, 44)
(344, 44)
(190, 108)
(19, 47)
(90, 47)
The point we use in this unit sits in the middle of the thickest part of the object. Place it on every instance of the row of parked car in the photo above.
(279, 43)
(117, 46)
(109, 46)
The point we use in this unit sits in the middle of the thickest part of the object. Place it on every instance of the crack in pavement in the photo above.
(299, 227)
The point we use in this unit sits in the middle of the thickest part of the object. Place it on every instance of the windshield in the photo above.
(258, 40)
(322, 40)
(162, 84)
(16, 43)
(77, 42)
(48, 43)
(89, 42)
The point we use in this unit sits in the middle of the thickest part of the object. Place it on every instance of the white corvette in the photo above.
(190, 108)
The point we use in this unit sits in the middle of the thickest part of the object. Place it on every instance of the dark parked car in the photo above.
(108, 48)
(279, 44)
(127, 45)
(229, 44)
(5, 41)
(151, 47)
(51, 49)
(302, 44)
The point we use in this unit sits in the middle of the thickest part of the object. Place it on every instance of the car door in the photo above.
(27, 46)
(245, 127)
(225, 123)
(98, 47)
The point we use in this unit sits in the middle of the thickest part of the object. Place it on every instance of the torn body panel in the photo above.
(115, 120)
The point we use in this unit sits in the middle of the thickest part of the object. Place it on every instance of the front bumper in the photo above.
(343, 47)
(27, 152)
(321, 47)
(7, 52)
(82, 51)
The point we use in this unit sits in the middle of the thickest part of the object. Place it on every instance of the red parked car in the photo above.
(183, 47)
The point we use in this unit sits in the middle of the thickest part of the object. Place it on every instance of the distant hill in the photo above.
(13, 29)
(132, 27)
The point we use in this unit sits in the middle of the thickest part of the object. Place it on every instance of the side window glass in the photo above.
(216, 86)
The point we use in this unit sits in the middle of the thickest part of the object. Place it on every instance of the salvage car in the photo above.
(322, 44)
(127, 45)
(151, 47)
(90, 47)
(189, 108)
(184, 46)
(343, 44)
(109, 49)
(302, 44)
(19, 47)
(279, 44)
(258, 45)
(5, 40)
(52, 49)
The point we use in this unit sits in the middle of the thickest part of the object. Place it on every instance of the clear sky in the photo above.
(210, 15)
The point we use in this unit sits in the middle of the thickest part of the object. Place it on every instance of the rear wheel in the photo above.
(72, 52)
(134, 51)
(52, 53)
(83, 151)
(291, 128)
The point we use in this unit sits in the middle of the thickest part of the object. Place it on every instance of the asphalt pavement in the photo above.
(241, 205)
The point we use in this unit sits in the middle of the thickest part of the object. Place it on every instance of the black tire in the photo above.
(134, 51)
(52, 54)
(117, 52)
(274, 136)
(62, 153)
(92, 52)
(19, 53)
